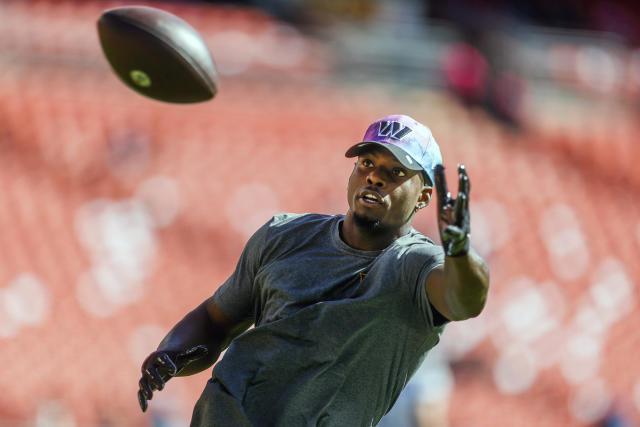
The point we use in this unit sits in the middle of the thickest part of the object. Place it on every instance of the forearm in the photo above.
(196, 328)
(467, 284)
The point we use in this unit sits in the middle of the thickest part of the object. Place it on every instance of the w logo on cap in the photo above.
(394, 130)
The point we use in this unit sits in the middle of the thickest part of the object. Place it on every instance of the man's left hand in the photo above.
(453, 213)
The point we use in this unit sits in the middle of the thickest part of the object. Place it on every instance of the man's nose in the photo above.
(374, 178)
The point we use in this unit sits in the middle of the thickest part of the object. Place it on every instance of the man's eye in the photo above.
(399, 172)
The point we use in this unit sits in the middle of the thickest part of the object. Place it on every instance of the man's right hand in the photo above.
(160, 366)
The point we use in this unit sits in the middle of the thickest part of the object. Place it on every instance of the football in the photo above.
(157, 54)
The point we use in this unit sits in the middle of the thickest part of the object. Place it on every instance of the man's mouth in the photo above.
(371, 198)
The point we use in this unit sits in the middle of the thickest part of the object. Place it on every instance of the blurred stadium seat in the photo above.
(120, 214)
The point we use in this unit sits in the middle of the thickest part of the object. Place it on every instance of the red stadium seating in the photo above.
(77, 148)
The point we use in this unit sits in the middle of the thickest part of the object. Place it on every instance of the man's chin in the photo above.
(367, 223)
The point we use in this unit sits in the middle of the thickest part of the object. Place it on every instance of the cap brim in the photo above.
(406, 160)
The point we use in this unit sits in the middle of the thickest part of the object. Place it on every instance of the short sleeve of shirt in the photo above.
(234, 296)
(420, 264)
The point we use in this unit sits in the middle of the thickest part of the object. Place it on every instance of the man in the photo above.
(345, 307)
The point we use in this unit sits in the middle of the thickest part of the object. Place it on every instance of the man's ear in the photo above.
(425, 197)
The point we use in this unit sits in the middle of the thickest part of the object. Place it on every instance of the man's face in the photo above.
(383, 192)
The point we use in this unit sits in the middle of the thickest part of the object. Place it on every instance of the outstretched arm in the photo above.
(458, 289)
(191, 346)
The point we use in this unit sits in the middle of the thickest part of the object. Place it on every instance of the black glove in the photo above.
(160, 366)
(453, 214)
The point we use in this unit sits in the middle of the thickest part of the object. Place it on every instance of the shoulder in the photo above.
(416, 243)
(286, 225)
(287, 222)
(288, 231)
(418, 253)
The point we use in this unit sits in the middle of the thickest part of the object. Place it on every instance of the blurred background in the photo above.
(120, 214)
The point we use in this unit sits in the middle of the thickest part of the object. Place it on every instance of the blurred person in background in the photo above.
(344, 307)
(425, 400)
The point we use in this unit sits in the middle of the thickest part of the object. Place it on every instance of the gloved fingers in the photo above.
(446, 214)
(441, 186)
(460, 210)
(156, 380)
(142, 400)
(168, 364)
(145, 388)
(464, 185)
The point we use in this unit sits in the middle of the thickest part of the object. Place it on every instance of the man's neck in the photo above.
(365, 239)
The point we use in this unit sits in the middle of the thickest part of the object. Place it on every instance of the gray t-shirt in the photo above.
(338, 331)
